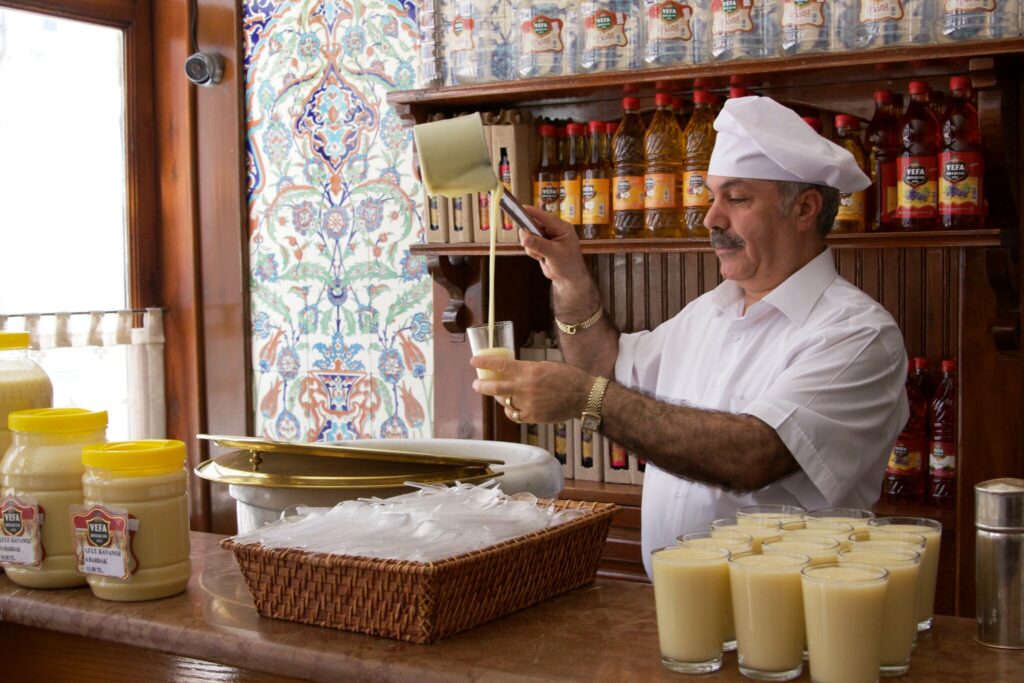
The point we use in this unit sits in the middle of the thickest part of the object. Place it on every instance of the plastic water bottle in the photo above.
(807, 25)
(744, 29)
(978, 19)
(610, 35)
(676, 33)
(546, 38)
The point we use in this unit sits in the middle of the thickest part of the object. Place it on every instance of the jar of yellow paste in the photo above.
(40, 483)
(131, 537)
(23, 384)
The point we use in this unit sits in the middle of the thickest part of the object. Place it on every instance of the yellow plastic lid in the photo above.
(136, 458)
(57, 420)
(13, 340)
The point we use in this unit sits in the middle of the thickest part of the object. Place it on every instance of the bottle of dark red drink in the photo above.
(961, 166)
(917, 168)
(942, 446)
(883, 147)
(904, 475)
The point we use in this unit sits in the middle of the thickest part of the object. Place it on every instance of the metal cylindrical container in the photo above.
(999, 549)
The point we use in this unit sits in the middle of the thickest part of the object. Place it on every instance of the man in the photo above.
(783, 385)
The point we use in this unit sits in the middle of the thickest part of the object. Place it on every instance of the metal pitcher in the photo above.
(999, 552)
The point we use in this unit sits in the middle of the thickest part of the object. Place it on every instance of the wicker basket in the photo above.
(424, 602)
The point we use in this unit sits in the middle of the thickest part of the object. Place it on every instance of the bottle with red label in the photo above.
(596, 189)
(628, 177)
(961, 166)
(883, 148)
(917, 168)
(905, 473)
(548, 175)
(923, 377)
(505, 175)
(570, 204)
(942, 446)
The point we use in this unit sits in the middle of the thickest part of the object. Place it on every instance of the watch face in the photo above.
(591, 421)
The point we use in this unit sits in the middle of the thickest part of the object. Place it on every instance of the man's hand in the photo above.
(541, 391)
(559, 255)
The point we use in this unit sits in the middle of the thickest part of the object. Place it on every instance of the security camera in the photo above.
(204, 68)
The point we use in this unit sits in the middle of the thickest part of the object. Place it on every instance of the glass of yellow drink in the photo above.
(932, 532)
(735, 542)
(690, 588)
(844, 606)
(838, 531)
(769, 614)
(754, 527)
(855, 517)
(492, 340)
(899, 622)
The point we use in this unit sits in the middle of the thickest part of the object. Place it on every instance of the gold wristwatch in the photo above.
(591, 417)
(579, 327)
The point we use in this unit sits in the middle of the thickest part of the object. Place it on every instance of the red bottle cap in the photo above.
(921, 363)
(630, 88)
(960, 83)
(846, 121)
(739, 79)
(813, 121)
(596, 126)
(631, 103)
(563, 132)
(883, 96)
(701, 83)
(548, 131)
(702, 97)
(948, 366)
(677, 103)
(664, 85)
(575, 129)
(918, 88)
(663, 99)
(738, 91)
(610, 127)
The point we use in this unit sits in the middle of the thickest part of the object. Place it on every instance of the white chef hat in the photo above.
(760, 138)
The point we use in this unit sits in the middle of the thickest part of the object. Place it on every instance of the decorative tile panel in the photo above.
(341, 324)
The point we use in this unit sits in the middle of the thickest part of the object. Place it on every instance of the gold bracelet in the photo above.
(579, 327)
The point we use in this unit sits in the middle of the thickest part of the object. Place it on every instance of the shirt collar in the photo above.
(795, 297)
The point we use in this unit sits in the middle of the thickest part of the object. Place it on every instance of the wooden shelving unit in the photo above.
(869, 240)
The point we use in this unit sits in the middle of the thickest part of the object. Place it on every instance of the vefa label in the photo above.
(102, 541)
(13, 525)
(20, 535)
(915, 175)
(955, 171)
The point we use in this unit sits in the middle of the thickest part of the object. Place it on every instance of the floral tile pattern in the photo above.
(341, 322)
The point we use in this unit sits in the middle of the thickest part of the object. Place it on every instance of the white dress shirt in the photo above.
(818, 360)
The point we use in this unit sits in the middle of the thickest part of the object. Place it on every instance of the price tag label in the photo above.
(103, 541)
(21, 532)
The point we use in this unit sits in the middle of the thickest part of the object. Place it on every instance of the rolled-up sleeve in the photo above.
(839, 404)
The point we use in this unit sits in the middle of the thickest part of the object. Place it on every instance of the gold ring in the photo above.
(516, 416)
(508, 401)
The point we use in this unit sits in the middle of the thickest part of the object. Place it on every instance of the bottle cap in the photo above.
(57, 420)
(562, 132)
(664, 85)
(702, 97)
(596, 126)
(610, 127)
(678, 103)
(739, 79)
(949, 366)
(547, 130)
(630, 103)
(921, 363)
(575, 129)
(883, 96)
(846, 121)
(701, 83)
(136, 458)
(960, 83)
(813, 121)
(13, 340)
(918, 88)
(738, 91)
(630, 88)
(663, 99)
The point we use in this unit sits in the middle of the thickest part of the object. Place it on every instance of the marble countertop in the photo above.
(602, 632)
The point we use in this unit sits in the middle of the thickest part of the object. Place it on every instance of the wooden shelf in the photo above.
(889, 63)
(868, 240)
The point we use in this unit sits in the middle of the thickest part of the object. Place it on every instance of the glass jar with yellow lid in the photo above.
(131, 534)
(23, 384)
(40, 481)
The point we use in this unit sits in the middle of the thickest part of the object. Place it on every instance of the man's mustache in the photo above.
(720, 239)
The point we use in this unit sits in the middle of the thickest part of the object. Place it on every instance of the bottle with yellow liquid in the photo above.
(698, 141)
(596, 189)
(663, 151)
(570, 201)
(548, 175)
(851, 215)
(628, 178)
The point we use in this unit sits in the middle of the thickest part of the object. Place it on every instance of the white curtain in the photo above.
(99, 361)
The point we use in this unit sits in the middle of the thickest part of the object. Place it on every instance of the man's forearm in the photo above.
(737, 452)
(595, 348)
